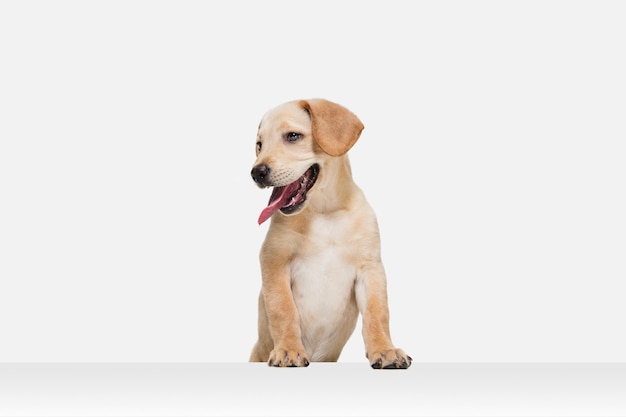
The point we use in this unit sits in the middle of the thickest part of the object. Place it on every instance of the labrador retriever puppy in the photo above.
(320, 261)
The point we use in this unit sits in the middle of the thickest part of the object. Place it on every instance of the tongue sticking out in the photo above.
(280, 197)
(289, 198)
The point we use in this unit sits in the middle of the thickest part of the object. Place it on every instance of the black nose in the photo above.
(260, 175)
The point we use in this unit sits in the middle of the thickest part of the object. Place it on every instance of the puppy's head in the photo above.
(293, 143)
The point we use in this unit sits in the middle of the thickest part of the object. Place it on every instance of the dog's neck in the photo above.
(333, 188)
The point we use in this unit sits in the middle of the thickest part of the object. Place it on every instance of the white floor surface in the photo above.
(338, 389)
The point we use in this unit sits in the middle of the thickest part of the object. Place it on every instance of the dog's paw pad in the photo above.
(390, 359)
(288, 358)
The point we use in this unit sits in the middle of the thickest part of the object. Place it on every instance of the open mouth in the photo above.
(289, 198)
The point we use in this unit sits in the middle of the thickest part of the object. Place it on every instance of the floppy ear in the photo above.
(335, 128)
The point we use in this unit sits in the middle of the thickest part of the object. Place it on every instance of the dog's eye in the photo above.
(259, 145)
(293, 136)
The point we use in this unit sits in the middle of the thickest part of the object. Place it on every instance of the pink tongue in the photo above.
(280, 197)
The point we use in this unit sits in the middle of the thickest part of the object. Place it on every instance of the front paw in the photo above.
(390, 359)
(288, 358)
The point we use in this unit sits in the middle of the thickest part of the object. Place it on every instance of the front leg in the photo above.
(371, 296)
(282, 315)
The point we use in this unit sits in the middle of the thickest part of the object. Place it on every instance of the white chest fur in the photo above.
(323, 275)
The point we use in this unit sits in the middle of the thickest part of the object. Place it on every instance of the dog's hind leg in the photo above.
(264, 345)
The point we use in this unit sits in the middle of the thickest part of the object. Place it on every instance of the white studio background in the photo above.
(493, 153)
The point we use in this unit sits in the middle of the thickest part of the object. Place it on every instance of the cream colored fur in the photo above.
(321, 266)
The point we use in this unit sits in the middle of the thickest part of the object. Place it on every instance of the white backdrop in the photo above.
(493, 153)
